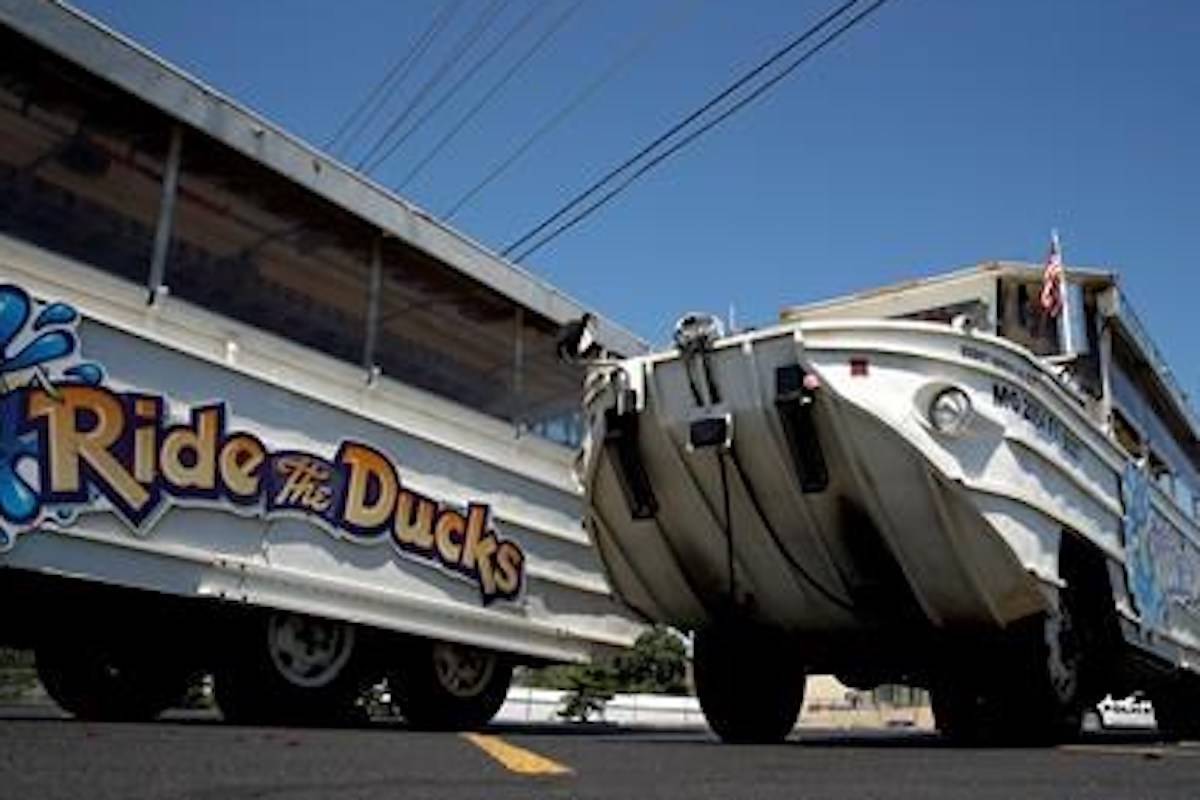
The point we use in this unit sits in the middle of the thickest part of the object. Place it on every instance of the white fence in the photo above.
(826, 706)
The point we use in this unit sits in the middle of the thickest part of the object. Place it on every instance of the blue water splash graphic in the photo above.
(51, 353)
(88, 373)
(55, 314)
(19, 501)
(14, 311)
(46, 347)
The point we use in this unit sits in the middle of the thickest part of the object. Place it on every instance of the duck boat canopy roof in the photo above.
(1098, 345)
(116, 159)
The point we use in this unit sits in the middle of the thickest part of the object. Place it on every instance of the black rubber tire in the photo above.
(985, 717)
(967, 715)
(103, 675)
(749, 683)
(426, 699)
(1028, 694)
(251, 688)
(1177, 708)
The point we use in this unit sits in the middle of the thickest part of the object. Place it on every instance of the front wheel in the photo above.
(99, 674)
(750, 688)
(1032, 693)
(289, 668)
(446, 686)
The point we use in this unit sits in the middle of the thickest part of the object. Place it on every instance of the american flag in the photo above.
(1052, 278)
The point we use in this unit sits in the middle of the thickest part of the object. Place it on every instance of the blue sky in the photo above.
(940, 134)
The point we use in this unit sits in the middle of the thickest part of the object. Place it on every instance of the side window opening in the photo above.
(1126, 435)
(1161, 473)
(1022, 320)
(975, 310)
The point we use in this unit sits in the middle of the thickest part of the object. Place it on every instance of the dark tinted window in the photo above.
(251, 245)
(80, 167)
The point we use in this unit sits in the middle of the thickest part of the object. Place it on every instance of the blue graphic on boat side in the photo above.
(14, 311)
(19, 501)
(46, 349)
(1148, 593)
(88, 373)
(56, 314)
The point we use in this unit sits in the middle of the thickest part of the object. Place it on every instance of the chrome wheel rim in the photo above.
(463, 671)
(1063, 656)
(308, 652)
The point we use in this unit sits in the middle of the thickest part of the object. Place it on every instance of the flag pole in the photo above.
(1064, 296)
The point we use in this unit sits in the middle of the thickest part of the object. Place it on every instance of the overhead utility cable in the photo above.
(626, 57)
(683, 123)
(686, 140)
(509, 36)
(492, 91)
(482, 22)
(377, 98)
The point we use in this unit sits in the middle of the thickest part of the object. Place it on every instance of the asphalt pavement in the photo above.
(45, 756)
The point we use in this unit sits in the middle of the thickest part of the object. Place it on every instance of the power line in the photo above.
(636, 48)
(508, 36)
(376, 99)
(495, 88)
(482, 22)
(675, 148)
(683, 123)
(465, 42)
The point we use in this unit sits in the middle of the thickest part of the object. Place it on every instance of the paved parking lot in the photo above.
(44, 756)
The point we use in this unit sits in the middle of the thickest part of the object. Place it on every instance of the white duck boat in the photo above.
(936, 483)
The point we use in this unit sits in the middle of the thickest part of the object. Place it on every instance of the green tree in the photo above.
(657, 664)
(589, 688)
(17, 675)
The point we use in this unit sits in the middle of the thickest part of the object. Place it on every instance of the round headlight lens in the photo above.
(950, 411)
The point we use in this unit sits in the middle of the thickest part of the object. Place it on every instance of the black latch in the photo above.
(794, 397)
(621, 443)
(710, 432)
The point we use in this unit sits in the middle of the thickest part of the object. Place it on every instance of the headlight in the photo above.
(950, 411)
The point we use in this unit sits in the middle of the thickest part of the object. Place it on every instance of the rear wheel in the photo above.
(293, 669)
(749, 686)
(446, 686)
(1177, 708)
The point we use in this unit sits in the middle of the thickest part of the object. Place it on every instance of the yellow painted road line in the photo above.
(516, 759)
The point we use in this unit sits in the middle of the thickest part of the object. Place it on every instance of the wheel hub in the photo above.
(1064, 657)
(308, 652)
(463, 671)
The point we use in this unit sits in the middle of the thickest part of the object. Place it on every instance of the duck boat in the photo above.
(263, 420)
(940, 483)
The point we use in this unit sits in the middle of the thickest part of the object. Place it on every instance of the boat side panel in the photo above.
(1032, 461)
(563, 611)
